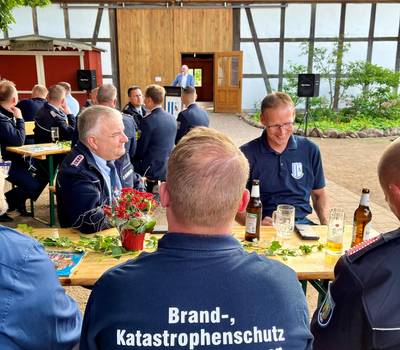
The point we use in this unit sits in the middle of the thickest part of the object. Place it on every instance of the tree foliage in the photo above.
(6, 7)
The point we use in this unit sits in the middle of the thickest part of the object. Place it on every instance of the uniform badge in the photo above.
(297, 170)
(326, 310)
(53, 114)
(77, 160)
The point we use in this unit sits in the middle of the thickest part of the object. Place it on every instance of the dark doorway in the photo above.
(202, 68)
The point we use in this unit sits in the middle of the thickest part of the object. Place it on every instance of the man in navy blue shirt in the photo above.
(361, 310)
(35, 312)
(157, 138)
(200, 289)
(289, 167)
(30, 106)
(192, 116)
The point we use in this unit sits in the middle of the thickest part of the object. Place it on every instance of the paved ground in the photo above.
(349, 164)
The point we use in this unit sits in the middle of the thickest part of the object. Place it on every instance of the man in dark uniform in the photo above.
(158, 131)
(30, 106)
(135, 106)
(55, 113)
(192, 116)
(289, 167)
(88, 178)
(362, 308)
(203, 291)
(12, 133)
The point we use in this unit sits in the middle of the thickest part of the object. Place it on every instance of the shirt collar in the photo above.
(102, 163)
(198, 242)
(265, 148)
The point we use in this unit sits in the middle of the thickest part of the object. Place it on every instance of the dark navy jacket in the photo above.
(82, 191)
(246, 301)
(130, 109)
(30, 106)
(189, 118)
(49, 117)
(158, 131)
(288, 177)
(362, 308)
(12, 133)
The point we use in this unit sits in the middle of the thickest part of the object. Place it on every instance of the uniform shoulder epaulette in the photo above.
(77, 160)
(53, 114)
(364, 247)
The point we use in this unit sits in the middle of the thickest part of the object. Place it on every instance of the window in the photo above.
(197, 73)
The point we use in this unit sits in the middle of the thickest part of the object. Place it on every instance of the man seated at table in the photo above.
(192, 116)
(12, 133)
(55, 113)
(88, 178)
(35, 311)
(71, 101)
(361, 310)
(289, 167)
(200, 289)
(30, 106)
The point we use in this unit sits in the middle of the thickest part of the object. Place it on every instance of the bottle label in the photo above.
(255, 191)
(367, 230)
(251, 223)
(364, 199)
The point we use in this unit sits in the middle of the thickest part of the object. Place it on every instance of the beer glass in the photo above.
(283, 220)
(55, 134)
(334, 243)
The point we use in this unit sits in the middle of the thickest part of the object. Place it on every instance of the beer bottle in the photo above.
(253, 213)
(362, 219)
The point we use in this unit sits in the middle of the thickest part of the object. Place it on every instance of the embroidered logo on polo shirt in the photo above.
(297, 170)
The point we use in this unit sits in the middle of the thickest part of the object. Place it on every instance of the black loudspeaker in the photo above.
(308, 85)
(86, 79)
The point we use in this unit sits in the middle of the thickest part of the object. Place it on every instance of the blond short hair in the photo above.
(206, 177)
(65, 85)
(56, 93)
(39, 91)
(107, 93)
(276, 100)
(90, 119)
(7, 90)
(389, 165)
(156, 93)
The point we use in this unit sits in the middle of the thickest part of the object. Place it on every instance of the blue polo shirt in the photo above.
(287, 177)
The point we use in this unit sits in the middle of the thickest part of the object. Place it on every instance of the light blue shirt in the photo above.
(35, 312)
(73, 104)
(105, 171)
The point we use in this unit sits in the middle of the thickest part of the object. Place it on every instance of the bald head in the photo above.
(389, 165)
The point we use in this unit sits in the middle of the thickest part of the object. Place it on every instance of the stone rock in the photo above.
(299, 132)
(316, 133)
(352, 134)
(342, 135)
(362, 134)
(375, 132)
(332, 133)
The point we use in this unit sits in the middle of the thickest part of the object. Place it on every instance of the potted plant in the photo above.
(132, 214)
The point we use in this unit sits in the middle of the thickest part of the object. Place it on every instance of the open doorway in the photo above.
(201, 66)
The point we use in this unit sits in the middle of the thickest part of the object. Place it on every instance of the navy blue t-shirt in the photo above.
(287, 177)
(197, 292)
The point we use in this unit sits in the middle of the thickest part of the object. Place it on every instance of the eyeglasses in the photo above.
(276, 127)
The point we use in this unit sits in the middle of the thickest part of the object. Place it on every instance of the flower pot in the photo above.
(131, 240)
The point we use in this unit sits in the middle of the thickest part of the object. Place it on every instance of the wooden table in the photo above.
(43, 151)
(314, 267)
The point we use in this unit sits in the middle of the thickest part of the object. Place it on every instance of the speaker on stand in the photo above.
(307, 86)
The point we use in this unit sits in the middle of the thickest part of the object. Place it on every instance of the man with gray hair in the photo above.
(88, 178)
(361, 309)
(202, 289)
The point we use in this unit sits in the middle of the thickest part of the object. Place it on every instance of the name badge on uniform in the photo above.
(297, 170)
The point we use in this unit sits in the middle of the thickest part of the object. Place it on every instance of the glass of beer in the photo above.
(283, 220)
(334, 243)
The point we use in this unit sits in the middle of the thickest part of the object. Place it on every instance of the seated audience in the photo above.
(192, 116)
(289, 167)
(200, 288)
(361, 310)
(158, 131)
(88, 178)
(30, 106)
(72, 102)
(135, 106)
(12, 133)
(35, 311)
(55, 113)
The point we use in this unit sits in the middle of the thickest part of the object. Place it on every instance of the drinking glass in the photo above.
(55, 134)
(5, 167)
(336, 222)
(283, 220)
